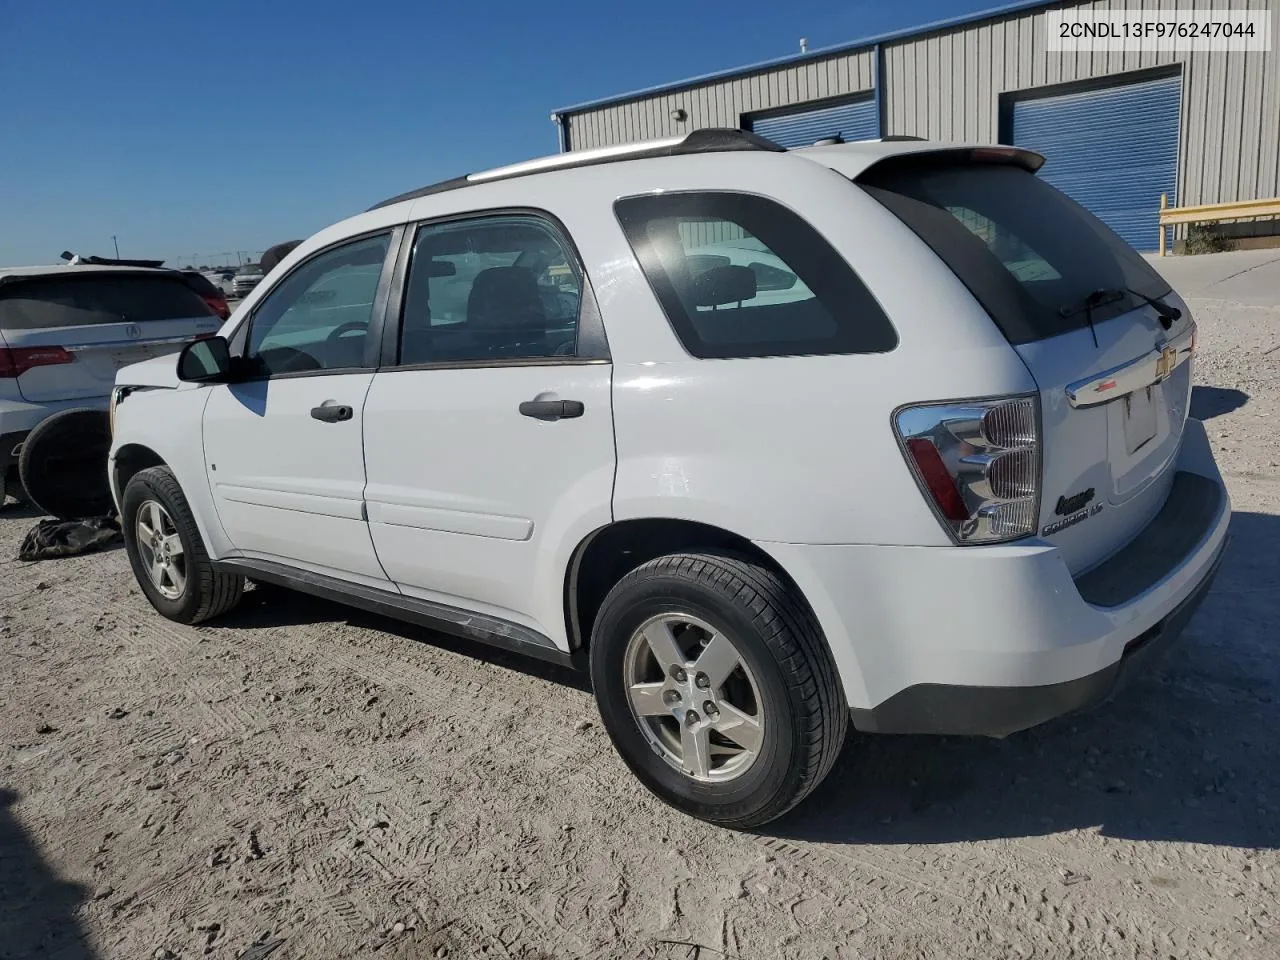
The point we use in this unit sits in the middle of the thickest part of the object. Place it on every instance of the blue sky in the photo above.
(199, 128)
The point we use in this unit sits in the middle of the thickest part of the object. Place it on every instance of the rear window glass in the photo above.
(71, 301)
(1027, 252)
(742, 276)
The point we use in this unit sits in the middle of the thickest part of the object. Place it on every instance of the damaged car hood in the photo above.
(156, 372)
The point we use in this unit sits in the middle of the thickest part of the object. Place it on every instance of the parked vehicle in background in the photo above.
(221, 279)
(886, 433)
(246, 278)
(209, 292)
(65, 330)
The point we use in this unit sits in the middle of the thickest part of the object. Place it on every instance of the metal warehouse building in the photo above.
(1119, 128)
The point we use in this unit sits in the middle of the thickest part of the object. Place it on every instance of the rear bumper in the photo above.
(998, 711)
(989, 640)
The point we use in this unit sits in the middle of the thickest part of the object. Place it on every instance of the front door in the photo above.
(489, 445)
(284, 448)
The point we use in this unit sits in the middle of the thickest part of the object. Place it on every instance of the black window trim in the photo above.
(592, 342)
(377, 317)
(675, 326)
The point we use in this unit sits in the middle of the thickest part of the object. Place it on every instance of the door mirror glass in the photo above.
(205, 361)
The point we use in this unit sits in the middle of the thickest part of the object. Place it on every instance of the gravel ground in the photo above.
(308, 782)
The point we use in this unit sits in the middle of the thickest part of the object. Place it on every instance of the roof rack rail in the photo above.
(706, 140)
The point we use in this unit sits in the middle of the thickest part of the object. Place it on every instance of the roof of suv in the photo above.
(853, 158)
(850, 158)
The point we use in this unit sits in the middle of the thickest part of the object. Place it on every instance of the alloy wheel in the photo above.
(161, 550)
(694, 697)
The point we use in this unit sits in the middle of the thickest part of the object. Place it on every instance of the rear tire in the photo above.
(746, 666)
(167, 553)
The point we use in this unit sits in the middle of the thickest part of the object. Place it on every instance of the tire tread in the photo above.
(786, 625)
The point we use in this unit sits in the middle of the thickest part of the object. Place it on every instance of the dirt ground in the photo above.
(304, 781)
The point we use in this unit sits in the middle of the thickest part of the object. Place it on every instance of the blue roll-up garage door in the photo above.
(1113, 150)
(805, 126)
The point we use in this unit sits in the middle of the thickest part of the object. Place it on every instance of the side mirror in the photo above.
(205, 361)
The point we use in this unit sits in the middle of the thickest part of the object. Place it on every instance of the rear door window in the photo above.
(1027, 252)
(490, 290)
(42, 303)
(740, 275)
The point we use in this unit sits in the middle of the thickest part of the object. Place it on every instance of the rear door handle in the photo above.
(552, 409)
(331, 413)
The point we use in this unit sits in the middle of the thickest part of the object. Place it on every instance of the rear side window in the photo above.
(742, 276)
(1027, 252)
(70, 301)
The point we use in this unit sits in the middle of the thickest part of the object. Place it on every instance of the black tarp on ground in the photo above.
(50, 539)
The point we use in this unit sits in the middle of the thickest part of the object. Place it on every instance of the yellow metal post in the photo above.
(1164, 205)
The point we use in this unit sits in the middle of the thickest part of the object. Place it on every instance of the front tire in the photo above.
(717, 687)
(167, 554)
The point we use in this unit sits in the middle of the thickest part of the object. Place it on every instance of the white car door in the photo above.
(489, 443)
(283, 444)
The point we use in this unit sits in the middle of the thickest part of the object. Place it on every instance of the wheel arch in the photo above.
(610, 552)
(129, 460)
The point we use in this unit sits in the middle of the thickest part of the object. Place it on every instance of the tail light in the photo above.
(15, 361)
(218, 305)
(977, 463)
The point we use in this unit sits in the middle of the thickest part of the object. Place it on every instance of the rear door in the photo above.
(488, 436)
(69, 332)
(1070, 297)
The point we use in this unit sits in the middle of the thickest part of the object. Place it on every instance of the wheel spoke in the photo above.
(177, 578)
(663, 644)
(646, 699)
(717, 660)
(696, 746)
(737, 726)
(174, 544)
(157, 571)
(146, 525)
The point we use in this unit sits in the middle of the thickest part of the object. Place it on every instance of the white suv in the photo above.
(946, 484)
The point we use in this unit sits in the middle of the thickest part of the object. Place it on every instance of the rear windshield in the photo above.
(70, 301)
(1028, 253)
(739, 275)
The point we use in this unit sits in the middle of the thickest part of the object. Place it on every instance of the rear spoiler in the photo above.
(1028, 160)
(108, 262)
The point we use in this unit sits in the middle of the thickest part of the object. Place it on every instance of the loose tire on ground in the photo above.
(63, 465)
(801, 713)
(205, 593)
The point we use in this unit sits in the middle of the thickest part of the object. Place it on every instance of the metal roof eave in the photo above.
(864, 42)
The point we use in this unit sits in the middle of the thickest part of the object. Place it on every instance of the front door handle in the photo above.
(331, 413)
(552, 409)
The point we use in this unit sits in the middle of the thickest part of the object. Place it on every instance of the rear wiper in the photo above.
(1169, 314)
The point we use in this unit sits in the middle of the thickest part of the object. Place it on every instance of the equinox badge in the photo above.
(1072, 510)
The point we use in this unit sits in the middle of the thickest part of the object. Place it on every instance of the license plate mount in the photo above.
(1139, 419)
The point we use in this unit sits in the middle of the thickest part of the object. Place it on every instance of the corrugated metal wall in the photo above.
(805, 126)
(721, 103)
(947, 85)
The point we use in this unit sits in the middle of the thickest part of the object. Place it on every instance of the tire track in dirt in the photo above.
(433, 685)
(391, 856)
